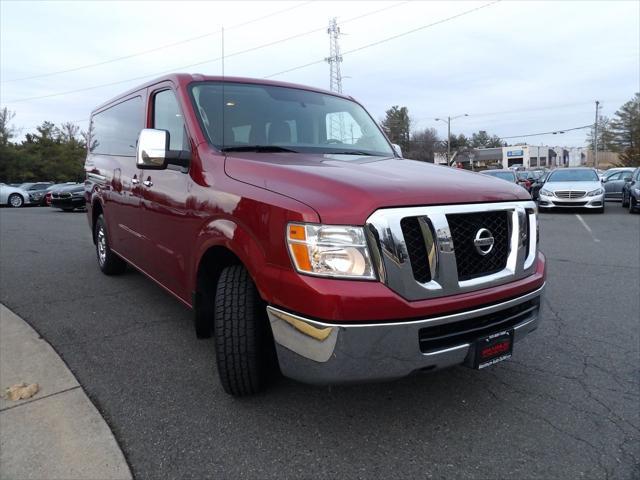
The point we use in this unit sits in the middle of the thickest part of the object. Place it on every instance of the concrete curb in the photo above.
(58, 433)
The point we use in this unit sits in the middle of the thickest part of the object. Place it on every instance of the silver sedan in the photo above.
(13, 196)
(572, 188)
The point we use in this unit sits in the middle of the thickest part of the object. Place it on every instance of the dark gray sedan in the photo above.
(613, 181)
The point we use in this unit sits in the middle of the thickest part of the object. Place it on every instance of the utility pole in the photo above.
(448, 122)
(595, 138)
(334, 60)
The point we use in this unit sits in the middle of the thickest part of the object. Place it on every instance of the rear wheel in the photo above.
(16, 200)
(109, 262)
(245, 352)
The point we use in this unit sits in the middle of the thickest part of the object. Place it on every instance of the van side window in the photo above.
(115, 131)
(167, 116)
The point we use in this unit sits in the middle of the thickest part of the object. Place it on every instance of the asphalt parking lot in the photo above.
(565, 406)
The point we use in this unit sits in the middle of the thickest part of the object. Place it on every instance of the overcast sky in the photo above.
(515, 67)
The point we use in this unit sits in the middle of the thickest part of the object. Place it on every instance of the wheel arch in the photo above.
(227, 244)
(96, 211)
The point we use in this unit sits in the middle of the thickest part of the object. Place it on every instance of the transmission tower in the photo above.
(336, 124)
(334, 59)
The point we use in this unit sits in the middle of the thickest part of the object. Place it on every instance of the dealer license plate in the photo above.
(493, 349)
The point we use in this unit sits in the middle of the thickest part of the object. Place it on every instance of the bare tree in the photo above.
(423, 145)
(7, 131)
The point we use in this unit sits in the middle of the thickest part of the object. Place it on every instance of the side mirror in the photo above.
(153, 151)
(153, 146)
(397, 149)
(603, 180)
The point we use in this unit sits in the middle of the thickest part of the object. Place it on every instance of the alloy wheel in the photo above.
(16, 200)
(101, 245)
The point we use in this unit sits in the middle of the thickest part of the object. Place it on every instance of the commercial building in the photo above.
(527, 156)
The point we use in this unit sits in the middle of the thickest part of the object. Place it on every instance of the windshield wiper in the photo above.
(258, 148)
(351, 152)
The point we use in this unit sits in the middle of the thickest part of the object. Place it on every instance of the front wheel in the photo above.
(632, 204)
(245, 351)
(625, 202)
(109, 262)
(16, 200)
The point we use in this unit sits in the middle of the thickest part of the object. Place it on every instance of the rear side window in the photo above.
(115, 131)
(167, 116)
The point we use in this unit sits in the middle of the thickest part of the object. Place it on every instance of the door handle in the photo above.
(148, 183)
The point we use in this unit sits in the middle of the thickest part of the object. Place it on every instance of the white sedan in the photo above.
(572, 188)
(13, 196)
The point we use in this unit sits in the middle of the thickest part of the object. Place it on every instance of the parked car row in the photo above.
(577, 187)
(66, 196)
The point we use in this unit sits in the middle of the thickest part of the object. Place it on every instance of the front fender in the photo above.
(238, 239)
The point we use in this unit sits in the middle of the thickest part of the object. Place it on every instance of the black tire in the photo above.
(67, 209)
(15, 200)
(601, 210)
(624, 203)
(632, 204)
(245, 351)
(109, 262)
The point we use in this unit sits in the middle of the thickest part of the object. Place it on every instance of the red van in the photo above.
(282, 215)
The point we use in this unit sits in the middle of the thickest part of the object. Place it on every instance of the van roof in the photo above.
(184, 79)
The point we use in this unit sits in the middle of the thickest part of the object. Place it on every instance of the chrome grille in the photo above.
(570, 194)
(426, 252)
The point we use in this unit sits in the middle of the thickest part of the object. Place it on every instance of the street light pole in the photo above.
(448, 140)
(448, 122)
(595, 138)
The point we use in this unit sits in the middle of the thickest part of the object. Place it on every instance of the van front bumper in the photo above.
(322, 353)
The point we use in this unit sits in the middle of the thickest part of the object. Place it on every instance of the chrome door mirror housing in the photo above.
(153, 146)
(397, 149)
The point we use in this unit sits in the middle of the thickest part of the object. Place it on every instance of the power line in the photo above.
(555, 132)
(394, 37)
(210, 60)
(156, 49)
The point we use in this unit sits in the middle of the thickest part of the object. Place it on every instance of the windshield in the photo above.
(573, 176)
(285, 119)
(508, 176)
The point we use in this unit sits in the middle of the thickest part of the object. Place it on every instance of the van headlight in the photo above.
(330, 251)
(597, 191)
(546, 193)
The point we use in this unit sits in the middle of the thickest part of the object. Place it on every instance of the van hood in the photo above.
(346, 189)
